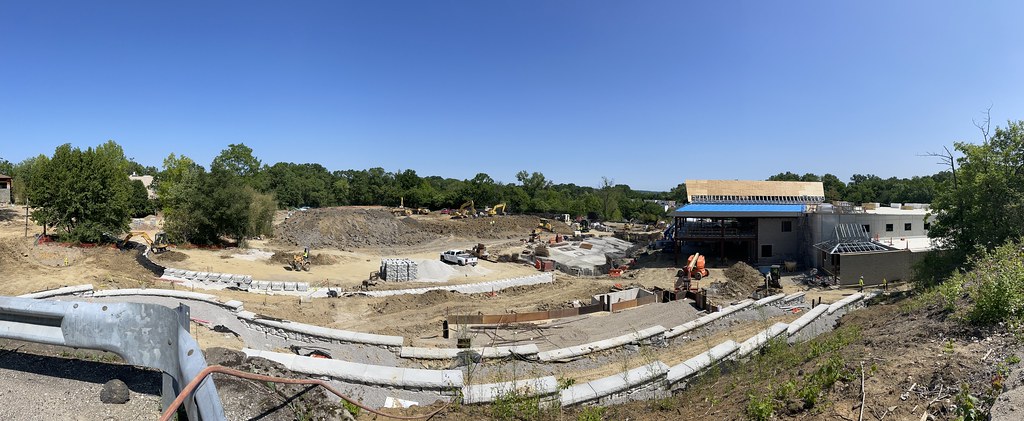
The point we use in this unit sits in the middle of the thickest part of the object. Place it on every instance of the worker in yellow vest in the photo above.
(861, 283)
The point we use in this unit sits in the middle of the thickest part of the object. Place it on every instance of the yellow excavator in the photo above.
(158, 245)
(465, 211)
(401, 210)
(498, 209)
(546, 225)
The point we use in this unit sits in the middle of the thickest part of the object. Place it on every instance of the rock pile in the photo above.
(398, 270)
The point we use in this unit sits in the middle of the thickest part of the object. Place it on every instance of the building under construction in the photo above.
(788, 223)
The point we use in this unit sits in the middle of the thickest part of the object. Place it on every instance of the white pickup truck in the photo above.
(458, 257)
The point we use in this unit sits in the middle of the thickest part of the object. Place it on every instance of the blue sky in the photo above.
(647, 93)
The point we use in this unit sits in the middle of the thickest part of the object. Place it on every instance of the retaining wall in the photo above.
(310, 333)
(69, 290)
(477, 288)
(441, 381)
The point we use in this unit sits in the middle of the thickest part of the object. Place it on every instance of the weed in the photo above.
(515, 406)
(666, 404)
(1013, 359)
(591, 413)
(565, 383)
(948, 348)
(351, 408)
(760, 408)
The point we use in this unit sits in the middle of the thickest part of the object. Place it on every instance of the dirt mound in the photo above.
(346, 227)
(743, 279)
(170, 256)
(400, 303)
(283, 258)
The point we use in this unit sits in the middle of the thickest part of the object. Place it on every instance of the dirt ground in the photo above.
(916, 360)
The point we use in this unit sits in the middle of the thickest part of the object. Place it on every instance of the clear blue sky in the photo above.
(648, 93)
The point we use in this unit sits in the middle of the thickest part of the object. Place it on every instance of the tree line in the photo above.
(872, 188)
(236, 196)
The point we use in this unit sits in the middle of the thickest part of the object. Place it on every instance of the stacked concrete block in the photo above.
(398, 270)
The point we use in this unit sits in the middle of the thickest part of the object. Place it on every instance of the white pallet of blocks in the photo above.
(398, 270)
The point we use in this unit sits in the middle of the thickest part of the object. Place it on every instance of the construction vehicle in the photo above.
(301, 261)
(401, 210)
(689, 275)
(498, 209)
(423, 211)
(465, 211)
(158, 244)
(480, 251)
(546, 225)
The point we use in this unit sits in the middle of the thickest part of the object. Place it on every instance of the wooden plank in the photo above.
(466, 319)
(622, 305)
(564, 312)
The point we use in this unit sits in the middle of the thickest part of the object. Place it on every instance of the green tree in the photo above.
(609, 200)
(982, 208)
(83, 194)
(239, 160)
(139, 200)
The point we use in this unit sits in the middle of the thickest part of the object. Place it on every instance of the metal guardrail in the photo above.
(147, 335)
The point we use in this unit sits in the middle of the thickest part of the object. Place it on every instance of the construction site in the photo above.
(410, 313)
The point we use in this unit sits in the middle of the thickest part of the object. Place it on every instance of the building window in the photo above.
(867, 228)
(766, 250)
(907, 226)
(927, 226)
(787, 226)
(888, 228)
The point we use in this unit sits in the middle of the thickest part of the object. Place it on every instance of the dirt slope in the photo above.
(356, 227)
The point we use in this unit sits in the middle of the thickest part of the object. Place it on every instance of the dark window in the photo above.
(766, 250)
(787, 226)
(888, 228)
(907, 226)
(867, 228)
(927, 226)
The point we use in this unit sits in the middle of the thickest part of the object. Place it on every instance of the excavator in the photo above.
(301, 261)
(158, 245)
(498, 209)
(465, 211)
(546, 225)
(401, 210)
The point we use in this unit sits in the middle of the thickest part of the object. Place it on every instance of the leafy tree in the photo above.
(983, 209)
(835, 189)
(83, 194)
(140, 204)
(678, 193)
(609, 200)
(239, 160)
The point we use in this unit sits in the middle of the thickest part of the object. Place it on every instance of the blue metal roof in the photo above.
(694, 208)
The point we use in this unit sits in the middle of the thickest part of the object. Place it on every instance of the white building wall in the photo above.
(785, 245)
(822, 226)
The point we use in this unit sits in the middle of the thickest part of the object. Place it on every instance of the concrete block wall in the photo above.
(478, 288)
(312, 334)
(69, 290)
(444, 382)
(544, 387)
(572, 352)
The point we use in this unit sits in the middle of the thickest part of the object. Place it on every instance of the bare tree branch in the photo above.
(985, 125)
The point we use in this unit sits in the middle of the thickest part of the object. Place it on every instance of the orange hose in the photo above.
(173, 408)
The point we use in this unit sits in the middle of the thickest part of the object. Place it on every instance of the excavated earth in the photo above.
(349, 227)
